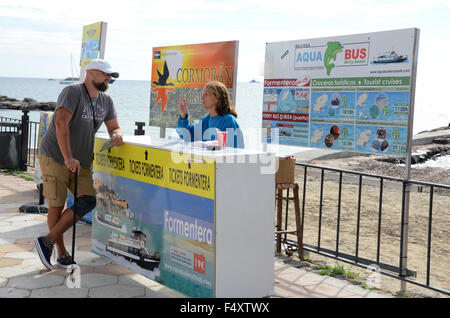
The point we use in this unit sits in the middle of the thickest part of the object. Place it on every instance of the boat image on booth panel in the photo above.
(110, 221)
(133, 248)
(390, 57)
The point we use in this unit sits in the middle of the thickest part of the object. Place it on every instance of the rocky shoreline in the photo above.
(420, 157)
(26, 104)
(395, 167)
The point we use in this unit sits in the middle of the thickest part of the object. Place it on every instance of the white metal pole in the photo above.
(162, 132)
(101, 53)
(236, 54)
(405, 221)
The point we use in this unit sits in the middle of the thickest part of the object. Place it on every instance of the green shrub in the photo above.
(335, 271)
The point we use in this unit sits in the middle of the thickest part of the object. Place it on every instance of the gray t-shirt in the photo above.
(75, 99)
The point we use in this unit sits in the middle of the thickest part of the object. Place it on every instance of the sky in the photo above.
(37, 38)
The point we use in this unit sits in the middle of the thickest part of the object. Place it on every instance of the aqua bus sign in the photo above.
(353, 93)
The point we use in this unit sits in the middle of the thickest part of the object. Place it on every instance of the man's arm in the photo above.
(63, 117)
(114, 130)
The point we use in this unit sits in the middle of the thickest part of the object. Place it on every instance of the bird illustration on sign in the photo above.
(162, 91)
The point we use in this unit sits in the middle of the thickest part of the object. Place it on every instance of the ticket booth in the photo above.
(195, 220)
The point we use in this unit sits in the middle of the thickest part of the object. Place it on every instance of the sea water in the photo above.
(132, 100)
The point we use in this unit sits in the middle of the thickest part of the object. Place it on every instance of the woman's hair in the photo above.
(224, 106)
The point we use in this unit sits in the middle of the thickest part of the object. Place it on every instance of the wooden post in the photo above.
(279, 218)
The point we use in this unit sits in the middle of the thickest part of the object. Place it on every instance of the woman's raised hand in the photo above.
(182, 107)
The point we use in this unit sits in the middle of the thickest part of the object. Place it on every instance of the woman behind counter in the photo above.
(221, 116)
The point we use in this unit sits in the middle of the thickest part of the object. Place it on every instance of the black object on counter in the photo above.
(139, 131)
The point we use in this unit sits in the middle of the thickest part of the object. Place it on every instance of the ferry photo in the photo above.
(110, 221)
(390, 57)
(133, 248)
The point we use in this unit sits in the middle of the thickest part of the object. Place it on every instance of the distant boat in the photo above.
(69, 80)
(391, 57)
(72, 79)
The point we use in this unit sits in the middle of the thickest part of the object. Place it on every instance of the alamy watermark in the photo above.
(374, 278)
(74, 278)
(183, 151)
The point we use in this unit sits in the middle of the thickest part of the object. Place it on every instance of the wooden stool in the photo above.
(279, 198)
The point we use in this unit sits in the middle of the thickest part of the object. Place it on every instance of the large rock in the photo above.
(13, 105)
(27, 104)
(29, 100)
(48, 106)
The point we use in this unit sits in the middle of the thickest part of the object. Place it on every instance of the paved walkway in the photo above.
(23, 275)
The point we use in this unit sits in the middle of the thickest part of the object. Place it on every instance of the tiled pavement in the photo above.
(23, 275)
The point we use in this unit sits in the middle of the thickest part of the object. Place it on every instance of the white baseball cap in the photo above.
(103, 66)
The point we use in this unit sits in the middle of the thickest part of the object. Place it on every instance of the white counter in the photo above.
(179, 194)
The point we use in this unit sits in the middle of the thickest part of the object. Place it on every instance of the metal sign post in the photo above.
(101, 52)
(162, 132)
(406, 194)
(234, 89)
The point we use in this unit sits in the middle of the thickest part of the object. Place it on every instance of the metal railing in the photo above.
(9, 124)
(374, 181)
(29, 132)
(33, 135)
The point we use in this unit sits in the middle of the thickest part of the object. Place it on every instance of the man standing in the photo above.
(67, 147)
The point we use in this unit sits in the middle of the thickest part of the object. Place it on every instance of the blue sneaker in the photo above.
(44, 248)
(65, 260)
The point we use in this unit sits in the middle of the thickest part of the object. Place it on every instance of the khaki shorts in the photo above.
(57, 179)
